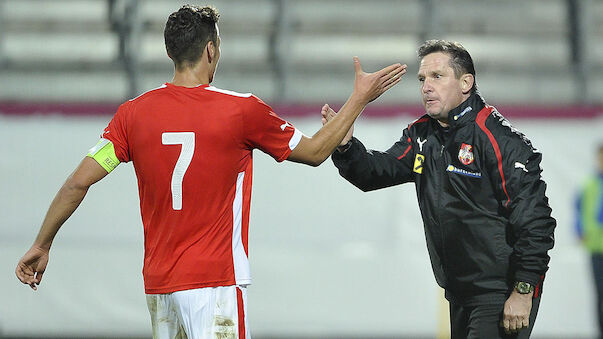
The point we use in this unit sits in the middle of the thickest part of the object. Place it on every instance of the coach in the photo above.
(487, 220)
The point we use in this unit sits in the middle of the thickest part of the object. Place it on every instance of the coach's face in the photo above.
(441, 91)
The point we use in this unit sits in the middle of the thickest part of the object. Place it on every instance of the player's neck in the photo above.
(191, 77)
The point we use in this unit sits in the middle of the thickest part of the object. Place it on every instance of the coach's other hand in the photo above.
(516, 313)
(327, 114)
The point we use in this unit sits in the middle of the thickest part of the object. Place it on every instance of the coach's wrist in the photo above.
(343, 148)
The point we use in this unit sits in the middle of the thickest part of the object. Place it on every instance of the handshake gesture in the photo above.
(367, 87)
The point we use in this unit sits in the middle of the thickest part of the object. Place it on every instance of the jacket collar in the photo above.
(466, 111)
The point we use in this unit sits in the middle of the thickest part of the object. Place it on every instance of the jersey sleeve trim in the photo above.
(104, 153)
(295, 139)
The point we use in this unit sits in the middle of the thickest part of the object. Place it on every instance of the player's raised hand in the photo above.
(369, 86)
(32, 266)
(327, 115)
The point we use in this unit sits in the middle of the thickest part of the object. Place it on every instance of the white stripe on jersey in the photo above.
(154, 89)
(225, 91)
(239, 257)
(295, 139)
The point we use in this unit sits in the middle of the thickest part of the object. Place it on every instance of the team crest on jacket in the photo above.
(466, 154)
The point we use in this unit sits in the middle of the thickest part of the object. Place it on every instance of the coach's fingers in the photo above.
(506, 325)
(328, 113)
(324, 110)
(513, 325)
(526, 322)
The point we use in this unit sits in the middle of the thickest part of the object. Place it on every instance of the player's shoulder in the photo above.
(249, 101)
(147, 94)
(129, 106)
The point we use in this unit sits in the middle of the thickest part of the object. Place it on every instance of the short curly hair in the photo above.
(187, 31)
(460, 59)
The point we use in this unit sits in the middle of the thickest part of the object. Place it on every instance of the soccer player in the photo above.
(191, 145)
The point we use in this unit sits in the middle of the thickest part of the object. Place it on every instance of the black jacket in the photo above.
(486, 217)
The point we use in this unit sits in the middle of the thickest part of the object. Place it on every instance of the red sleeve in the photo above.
(265, 130)
(116, 133)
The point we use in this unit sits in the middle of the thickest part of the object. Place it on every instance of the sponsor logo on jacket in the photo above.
(461, 171)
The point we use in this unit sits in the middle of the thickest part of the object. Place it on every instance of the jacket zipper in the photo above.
(442, 174)
(440, 207)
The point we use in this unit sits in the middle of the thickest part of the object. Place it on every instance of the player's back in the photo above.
(191, 149)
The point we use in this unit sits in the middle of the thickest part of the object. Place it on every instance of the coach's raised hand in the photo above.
(369, 86)
(329, 114)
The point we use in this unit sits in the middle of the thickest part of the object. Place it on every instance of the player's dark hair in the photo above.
(460, 59)
(188, 31)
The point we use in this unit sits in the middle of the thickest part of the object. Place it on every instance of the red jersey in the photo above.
(192, 153)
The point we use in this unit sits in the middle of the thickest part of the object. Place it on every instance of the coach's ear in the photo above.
(467, 81)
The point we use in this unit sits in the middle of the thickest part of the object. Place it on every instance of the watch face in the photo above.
(523, 287)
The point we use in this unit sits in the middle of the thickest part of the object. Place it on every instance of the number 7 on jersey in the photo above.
(187, 140)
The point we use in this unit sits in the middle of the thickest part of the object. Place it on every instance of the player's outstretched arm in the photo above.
(367, 87)
(33, 264)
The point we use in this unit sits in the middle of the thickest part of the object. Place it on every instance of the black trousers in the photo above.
(483, 321)
(597, 263)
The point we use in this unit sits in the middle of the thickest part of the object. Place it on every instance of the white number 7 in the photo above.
(187, 140)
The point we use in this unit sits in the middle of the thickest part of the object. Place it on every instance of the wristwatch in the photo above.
(523, 287)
